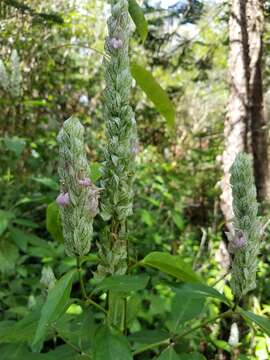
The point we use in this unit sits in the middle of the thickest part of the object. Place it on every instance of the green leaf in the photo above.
(197, 291)
(184, 308)
(95, 171)
(123, 283)
(109, 346)
(154, 92)
(20, 238)
(55, 305)
(261, 321)
(15, 144)
(23, 330)
(8, 256)
(149, 336)
(172, 265)
(63, 352)
(191, 356)
(178, 220)
(53, 222)
(138, 18)
(48, 182)
(27, 223)
(168, 354)
(5, 218)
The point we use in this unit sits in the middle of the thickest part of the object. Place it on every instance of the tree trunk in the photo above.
(236, 123)
(258, 128)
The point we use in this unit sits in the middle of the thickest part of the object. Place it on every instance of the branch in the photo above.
(25, 9)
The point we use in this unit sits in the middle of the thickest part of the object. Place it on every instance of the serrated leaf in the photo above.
(53, 222)
(123, 283)
(199, 291)
(109, 346)
(172, 265)
(154, 92)
(261, 321)
(138, 18)
(55, 305)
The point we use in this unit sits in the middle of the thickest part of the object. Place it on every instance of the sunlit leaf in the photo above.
(172, 265)
(261, 321)
(137, 16)
(154, 92)
(53, 222)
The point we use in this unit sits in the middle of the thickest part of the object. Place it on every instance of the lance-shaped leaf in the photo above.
(56, 304)
(261, 321)
(138, 18)
(197, 291)
(171, 265)
(53, 222)
(154, 92)
(123, 283)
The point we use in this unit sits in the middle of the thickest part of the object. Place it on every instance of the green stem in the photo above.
(74, 347)
(176, 338)
(202, 324)
(79, 268)
(92, 302)
(82, 286)
(152, 346)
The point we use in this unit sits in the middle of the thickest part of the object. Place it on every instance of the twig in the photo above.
(176, 338)
(202, 243)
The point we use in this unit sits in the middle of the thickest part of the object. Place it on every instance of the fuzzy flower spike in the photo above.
(78, 200)
(118, 168)
(246, 240)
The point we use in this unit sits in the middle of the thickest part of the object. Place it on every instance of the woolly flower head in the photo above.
(244, 243)
(77, 191)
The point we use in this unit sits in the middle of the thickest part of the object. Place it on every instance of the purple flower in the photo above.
(63, 199)
(85, 182)
(239, 241)
(116, 43)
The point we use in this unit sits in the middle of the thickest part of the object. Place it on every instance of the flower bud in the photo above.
(63, 199)
(116, 43)
(85, 182)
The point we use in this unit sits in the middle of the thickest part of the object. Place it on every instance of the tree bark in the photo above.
(258, 128)
(236, 122)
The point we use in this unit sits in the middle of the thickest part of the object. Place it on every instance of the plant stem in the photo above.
(82, 286)
(92, 302)
(209, 321)
(74, 347)
(79, 268)
(152, 346)
(176, 338)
